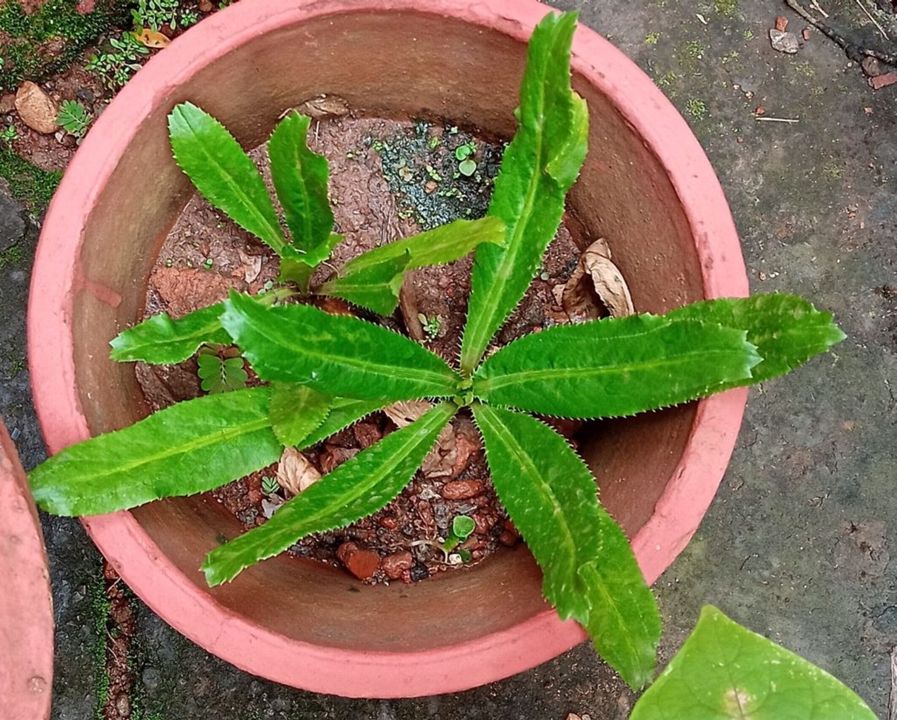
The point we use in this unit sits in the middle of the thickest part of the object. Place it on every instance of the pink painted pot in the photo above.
(647, 187)
(26, 607)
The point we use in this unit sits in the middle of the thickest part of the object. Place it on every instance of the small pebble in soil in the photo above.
(397, 564)
(462, 489)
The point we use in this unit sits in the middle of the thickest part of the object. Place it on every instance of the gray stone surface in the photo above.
(797, 542)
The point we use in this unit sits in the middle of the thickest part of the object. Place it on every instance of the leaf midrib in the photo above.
(276, 240)
(545, 489)
(541, 374)
(188, 447)
(512, 247)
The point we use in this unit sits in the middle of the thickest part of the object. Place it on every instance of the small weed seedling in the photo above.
(74, 118)
(462, 527)
(321, 373)
(116, 64)
(9, 134)
(154, 14)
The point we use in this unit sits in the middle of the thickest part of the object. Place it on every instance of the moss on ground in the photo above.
(47, 41)
(31, 185)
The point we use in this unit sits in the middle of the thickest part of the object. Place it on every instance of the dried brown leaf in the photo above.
(406, 412)
(597, 287)
(252, 266)
(295, 472)
(152, 38)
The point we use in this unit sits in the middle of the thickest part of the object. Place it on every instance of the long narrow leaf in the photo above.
(162, 340)
(786, 329)
(185, 449)
(590, 572)
(444, 244)
(727, 672)
(357, 488)
(539, 166)
(615, 367)
(300, 178)
(222, 172)
(337, 355)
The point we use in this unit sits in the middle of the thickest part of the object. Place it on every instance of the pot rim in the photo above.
(26, 606)
(193, 611)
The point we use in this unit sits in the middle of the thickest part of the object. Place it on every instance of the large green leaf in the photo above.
(187, 448)
(786, 329)
(163, 340)
(296, 412)
(357, 488)
(300, 179)
(726, 672)
(336, 355)
(539, 166)
(615, 367)
(444, 244)
(222, 172)
(590, 572)
(375, 287)
(373, 280)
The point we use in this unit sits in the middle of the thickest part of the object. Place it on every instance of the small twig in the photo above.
(817, 8)
(855, 52)
(701, 18)
(892, 700)
(874, 21)
(765, 118)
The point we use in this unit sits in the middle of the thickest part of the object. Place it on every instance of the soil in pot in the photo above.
(389, 179)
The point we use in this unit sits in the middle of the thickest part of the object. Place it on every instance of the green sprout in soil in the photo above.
(652, 38)
(270, 485)
(320, 373)
(431, 325)
(462, 527)
(9, 134)
(74, 118)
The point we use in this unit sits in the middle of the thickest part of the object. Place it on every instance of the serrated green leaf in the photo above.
(218, 376)
(615, 367)
(343, 413)
(296, 412)
(300, 178)
(538, 167)
(439, 246)
(375, 287)
(337, 355)
(222, 172)
(786, 329)
(163, 340)
(184, 449)
(726, 672)
(357, 488)
(589, 571)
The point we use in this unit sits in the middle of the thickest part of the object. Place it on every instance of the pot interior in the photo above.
(389, 65)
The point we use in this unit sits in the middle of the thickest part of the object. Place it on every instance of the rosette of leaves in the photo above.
(323, 372)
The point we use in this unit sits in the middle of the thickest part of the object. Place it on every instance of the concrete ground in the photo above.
(797, 542)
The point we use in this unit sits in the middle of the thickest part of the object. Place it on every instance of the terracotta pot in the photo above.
(647, 187)
(26, 607)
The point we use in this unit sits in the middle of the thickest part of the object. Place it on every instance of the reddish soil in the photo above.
(206, 254)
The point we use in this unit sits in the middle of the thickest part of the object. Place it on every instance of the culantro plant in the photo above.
(320, 373)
